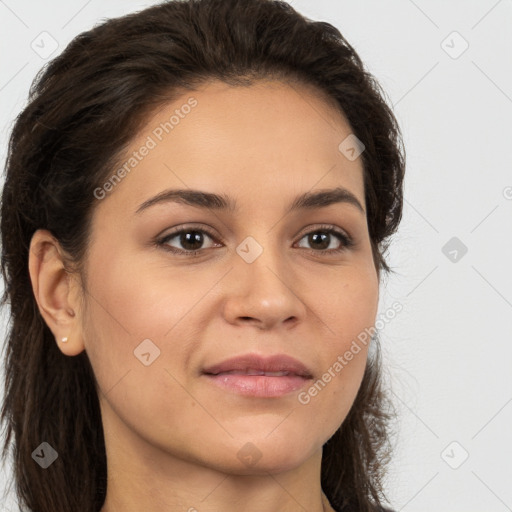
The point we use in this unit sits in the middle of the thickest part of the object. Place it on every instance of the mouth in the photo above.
(253, 371)
(257, 376)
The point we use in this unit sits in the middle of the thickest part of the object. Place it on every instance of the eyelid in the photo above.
(343, 236)
(186, 227)
(312, 228)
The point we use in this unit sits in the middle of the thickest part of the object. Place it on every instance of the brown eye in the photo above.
(321, 239)
(190, 241)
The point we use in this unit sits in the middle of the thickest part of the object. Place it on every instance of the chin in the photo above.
(271, 452)
(278, 461)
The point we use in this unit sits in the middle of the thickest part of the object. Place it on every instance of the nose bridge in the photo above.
(262, 287)
(262, 259)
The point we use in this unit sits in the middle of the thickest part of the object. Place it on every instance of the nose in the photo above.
(262, 293)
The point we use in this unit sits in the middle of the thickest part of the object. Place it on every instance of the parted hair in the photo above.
(84, 108)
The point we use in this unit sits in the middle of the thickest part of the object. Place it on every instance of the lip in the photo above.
(275, 363)
(259, 376)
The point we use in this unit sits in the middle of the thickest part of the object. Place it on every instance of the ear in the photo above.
(57, 292)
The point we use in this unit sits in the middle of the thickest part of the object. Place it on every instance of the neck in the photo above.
(142, 476)
(326, 505)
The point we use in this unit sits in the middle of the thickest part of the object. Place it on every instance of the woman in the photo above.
(197, 203)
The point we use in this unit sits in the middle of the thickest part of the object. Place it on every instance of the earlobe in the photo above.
(55, 291)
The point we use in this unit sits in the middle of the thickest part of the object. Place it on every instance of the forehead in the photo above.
(257, 141)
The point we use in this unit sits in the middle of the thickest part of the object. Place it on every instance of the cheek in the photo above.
(132, 301)
(348, 304)
(124, 308)
(138, 299)
(135, 317)
(348, 313)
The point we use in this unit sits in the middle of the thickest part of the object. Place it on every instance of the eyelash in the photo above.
(346, 241)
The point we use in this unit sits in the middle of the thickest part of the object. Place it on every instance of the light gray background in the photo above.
(449, 351)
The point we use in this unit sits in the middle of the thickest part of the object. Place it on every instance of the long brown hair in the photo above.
(84, 108)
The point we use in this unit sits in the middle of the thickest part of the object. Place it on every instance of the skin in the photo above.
(172, 437)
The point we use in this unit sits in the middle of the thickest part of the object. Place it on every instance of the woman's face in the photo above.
(265, 280)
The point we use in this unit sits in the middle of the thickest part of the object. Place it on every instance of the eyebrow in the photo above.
(209, 200)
